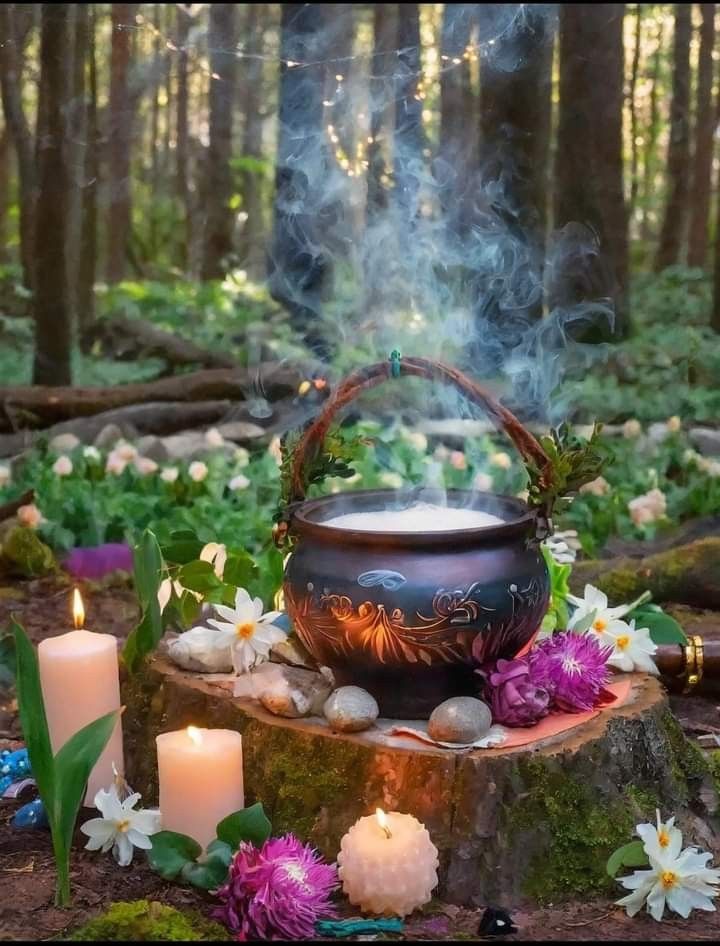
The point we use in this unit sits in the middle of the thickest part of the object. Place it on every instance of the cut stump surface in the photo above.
(536, 821)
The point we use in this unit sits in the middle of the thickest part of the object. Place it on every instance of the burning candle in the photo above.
(80, 682)
(388, 864)
(201, 780)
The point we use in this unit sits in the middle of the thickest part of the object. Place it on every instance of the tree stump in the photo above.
(537, 821)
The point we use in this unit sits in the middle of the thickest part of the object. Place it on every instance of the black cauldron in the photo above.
(408, 615)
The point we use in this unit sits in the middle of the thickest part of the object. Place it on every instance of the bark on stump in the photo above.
(537, 821)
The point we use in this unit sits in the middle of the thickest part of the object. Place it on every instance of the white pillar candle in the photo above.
(80, 682)
(201, 780)
(388, 864)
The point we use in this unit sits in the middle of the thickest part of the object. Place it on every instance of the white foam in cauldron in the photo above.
(421, 517)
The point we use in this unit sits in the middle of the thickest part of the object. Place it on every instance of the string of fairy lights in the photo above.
(356, 163)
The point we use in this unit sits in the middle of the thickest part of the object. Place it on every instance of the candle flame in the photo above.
(78, 610)
(383, 822)
(195, 735)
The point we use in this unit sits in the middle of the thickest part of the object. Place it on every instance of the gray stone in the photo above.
(461, 719)
(64, 443)
(351, 709)
(241, 431)
(292, 652)
(108, 437)
(193, 445)
(152, 447)
(657, 432)
(295, 692)
(706, 440)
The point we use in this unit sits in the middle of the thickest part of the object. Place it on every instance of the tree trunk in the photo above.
(300, 269)
(4, 191)
(458, 146)
(651, 136)
(381, 96)
(633, 107)
(705, 124)
(12, 88)
(678, 155)
(220, 217)
(88, 230)
(588, 165)
(53, 328)
(75, 145)
(182, 27)
(120, 132)
(409, 137)
(251, 250)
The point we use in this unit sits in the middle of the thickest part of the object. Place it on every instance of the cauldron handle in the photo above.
(526, 443)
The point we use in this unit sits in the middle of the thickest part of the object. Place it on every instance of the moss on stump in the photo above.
(538, 821)
(143, 921)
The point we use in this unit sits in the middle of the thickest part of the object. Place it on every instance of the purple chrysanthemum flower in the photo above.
(276, 892)
(572, 668)
(514, 695)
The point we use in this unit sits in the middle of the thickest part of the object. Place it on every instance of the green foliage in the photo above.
(333, 459)
(178, 857)
(557, 614)
(141, 921)
(663, 628)
(629, 855)
(62, 779)
(573, 463)
(144, 638)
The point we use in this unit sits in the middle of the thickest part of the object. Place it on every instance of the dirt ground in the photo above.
(26, 863)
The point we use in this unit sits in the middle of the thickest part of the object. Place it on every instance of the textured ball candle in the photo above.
(388, 864)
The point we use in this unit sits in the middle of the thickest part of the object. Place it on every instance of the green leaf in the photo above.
(171, 853)
(629, 855)
(240, 569)
(183, 547)
(663, 628)
(250, 824)
(73, 764)
(210, 873)
(148, 566)
(199, 576)
(33, 720)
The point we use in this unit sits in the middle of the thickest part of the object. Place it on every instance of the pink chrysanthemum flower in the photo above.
(572, 668)
(276, 892)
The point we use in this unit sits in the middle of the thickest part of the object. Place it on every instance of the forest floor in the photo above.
(27, 866)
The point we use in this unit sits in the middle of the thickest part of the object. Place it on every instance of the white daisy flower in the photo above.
(633, 648)
(120, 828)
(661, 840)
(682, 883)
(253, 631)
(198, 471)
(592, 611)
(238, 482)
(91, 453)
(169, 474)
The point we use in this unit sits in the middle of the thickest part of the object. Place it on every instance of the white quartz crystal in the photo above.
(420, 517)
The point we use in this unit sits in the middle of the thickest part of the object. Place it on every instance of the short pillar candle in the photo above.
(80, 682)
(388, 864)
(200, 772)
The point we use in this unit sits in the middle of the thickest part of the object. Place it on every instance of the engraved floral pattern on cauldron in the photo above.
(461, 629)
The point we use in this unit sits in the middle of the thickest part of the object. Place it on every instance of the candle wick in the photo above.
(388, 833)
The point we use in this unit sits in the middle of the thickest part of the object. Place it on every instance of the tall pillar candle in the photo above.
(200, 772)
(80, 682)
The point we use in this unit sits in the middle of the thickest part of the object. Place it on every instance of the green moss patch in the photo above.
(141, 921)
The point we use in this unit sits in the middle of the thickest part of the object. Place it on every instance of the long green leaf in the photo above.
(33, 720)
(73, 764)
(145, 637)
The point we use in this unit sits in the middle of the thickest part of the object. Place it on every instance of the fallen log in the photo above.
(689, 574)
(42, 406)
(10, 508)
(125, 339)
(158, 417)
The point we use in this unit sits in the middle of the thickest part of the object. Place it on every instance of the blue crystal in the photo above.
(31, 815)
